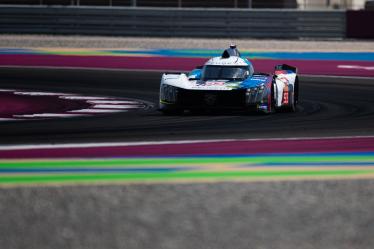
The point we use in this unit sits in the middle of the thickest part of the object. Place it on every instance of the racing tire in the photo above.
(292, 101)
(272, 100)
(294, 96)
(296, 91)
(292, 107)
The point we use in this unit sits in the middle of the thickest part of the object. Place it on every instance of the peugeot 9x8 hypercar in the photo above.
(229, 82)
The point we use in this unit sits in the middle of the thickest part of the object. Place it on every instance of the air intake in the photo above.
(232, 51)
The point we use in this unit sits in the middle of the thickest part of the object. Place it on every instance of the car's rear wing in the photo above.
(285, 67)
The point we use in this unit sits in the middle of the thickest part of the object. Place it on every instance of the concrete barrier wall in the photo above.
(172, 22)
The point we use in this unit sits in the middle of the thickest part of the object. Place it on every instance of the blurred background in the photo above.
(297, 4)
(281, 19)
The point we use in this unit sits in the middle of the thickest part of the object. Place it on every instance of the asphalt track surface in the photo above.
(328, 107)
(291, 214)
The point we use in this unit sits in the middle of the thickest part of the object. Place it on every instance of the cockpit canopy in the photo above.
(230, 66)
(211, 72)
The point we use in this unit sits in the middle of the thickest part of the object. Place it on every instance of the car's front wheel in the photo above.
(294, 96)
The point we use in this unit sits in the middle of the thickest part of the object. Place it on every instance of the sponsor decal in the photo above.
(258, 78)
(233, 85)
(284, 80)
(218, 88)
(285, 95)
(215, 83)
(285, 98)
(280, 72)
(285, 89)
(263, 107)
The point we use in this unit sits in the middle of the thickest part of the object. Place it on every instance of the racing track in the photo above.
(288, 214)
(328, 107)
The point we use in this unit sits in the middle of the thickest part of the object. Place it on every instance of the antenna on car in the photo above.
(232, 51)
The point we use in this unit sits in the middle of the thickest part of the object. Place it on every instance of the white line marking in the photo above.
(96, 111)
(47, 115)
(336, 77)
(85, 98)
(117, 106)
(39, 93)
(7, 90)
(355, 67)
(8, 119)
(112, 102)
(123, 144)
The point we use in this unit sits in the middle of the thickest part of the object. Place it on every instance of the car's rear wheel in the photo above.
(292, 106)
(271, 100)
(294, 96)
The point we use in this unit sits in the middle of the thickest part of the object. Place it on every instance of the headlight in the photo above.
(259, 88)
(168, 93)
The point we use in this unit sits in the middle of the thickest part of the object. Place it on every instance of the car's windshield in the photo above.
(225, 72)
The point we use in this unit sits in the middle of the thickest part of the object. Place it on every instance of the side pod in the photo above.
(287, 83)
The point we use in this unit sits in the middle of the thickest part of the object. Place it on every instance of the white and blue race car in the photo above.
(229, 82)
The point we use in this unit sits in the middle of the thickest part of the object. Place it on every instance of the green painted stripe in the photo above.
(141, 177)
(126, 162)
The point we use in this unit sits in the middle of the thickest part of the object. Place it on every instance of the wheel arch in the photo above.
(296, 89)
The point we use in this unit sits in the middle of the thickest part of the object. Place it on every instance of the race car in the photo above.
(229, 82)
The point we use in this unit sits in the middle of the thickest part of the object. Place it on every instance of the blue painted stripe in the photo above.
(17, 51)
(207, 53)
(339, 56)
(344, 56)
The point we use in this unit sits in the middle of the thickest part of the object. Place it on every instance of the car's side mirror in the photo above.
(193, 77)
(194, 74)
